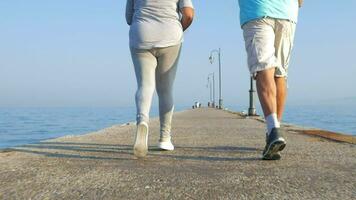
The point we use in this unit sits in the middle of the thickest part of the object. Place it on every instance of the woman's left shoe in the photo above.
(140, 146)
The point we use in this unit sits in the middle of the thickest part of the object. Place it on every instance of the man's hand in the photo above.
(300, 3)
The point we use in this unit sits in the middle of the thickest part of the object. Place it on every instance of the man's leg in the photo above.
(266, 89)
(259, 38)
(267, 93)
(284, 31)
(281, 87)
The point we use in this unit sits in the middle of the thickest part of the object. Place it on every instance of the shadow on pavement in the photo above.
(124, 152)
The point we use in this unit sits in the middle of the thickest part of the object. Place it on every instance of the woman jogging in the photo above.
(156, 34)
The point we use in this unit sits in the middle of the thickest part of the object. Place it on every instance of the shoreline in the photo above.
(311, 131)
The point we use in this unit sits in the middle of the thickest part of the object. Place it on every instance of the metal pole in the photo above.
(252, 109)
(211, 58)
(220, 97)
(213, 90)
(210, 90)
(211, 83)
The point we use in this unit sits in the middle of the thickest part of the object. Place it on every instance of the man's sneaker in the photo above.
(276, 156)
(165, 144)
(274, 143)
(140, 147)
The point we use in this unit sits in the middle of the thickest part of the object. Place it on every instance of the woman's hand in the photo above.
(187, 17)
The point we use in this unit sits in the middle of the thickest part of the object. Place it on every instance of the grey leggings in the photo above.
(156, 68)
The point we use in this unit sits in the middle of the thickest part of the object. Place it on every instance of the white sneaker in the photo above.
(165, 144)
(141, 147)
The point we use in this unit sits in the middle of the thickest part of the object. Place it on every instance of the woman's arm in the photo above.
(300, 3)
(187, 17)
(129, 11)
(187, 10)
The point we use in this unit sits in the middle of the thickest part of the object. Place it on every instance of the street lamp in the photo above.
(212, 88)
(211, 58)
(252, 108)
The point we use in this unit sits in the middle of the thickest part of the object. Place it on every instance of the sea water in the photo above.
(20, 125)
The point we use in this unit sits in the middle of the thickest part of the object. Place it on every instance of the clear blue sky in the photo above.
(75, 53)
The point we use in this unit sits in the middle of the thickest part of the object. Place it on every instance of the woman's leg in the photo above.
(145, 64)
(165, 75)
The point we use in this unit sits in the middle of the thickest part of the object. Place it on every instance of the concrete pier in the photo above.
(217, 156)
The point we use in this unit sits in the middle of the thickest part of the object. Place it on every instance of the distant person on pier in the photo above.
(156, 36)
(268, 29)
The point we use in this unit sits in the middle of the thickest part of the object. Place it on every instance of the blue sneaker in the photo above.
(274, 143)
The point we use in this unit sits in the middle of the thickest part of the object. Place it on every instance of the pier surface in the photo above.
(217, 156)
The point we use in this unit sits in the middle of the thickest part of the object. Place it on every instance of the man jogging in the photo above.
(268, 30)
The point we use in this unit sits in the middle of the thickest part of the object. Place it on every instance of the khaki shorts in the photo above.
(269, 43)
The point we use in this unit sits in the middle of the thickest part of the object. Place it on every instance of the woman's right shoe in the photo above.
(140, 146)
(165, 144)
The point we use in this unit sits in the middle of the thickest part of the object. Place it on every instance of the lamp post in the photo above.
(211, 58)
(212, 88)
(252, 108)
(208, 85)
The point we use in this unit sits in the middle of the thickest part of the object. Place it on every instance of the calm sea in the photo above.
(337, 118)
(20, 126)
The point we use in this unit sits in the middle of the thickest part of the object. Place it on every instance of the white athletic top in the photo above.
(155, 23)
